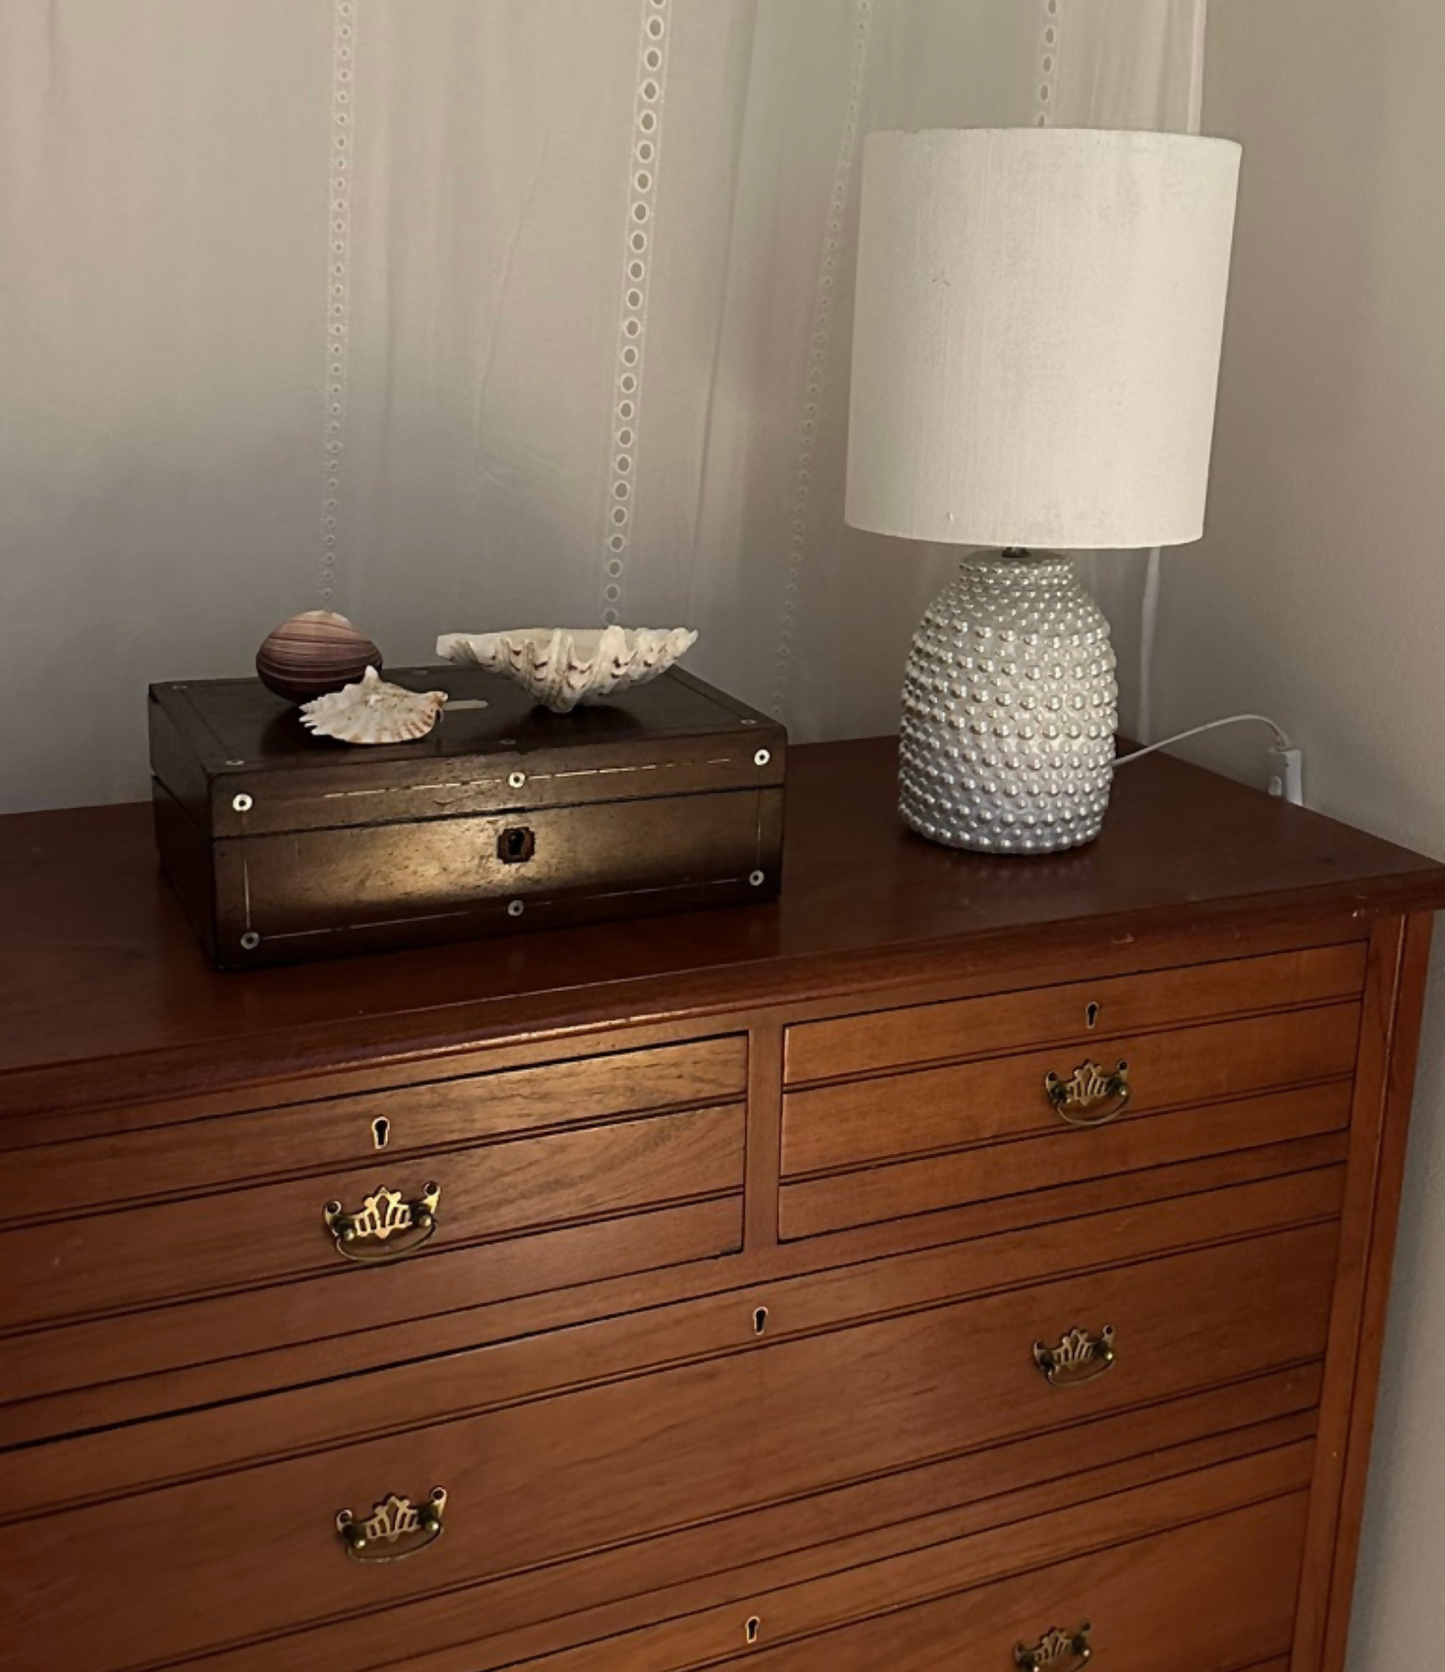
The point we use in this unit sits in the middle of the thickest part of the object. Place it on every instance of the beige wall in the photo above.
(1318, 593)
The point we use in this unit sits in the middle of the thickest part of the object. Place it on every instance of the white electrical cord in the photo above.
(1287, 766)
(1281, 738)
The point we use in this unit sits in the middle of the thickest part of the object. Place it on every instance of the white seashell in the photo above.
(374, 711)
(564, 666)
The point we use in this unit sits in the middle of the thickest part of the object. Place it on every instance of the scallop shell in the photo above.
(374, 712)
(312, 653)
(564, 666)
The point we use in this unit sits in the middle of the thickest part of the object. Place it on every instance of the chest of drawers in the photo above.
(960, 1262)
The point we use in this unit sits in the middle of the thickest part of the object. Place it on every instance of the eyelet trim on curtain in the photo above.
(643, 158)
(820, 332)
(1050, 26)
(338, 303)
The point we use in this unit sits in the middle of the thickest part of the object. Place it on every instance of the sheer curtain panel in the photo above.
(470, 314)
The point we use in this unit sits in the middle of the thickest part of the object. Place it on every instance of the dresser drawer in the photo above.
(1151, 1599)
(1060, 1156)
(1202, 1598)
(1076, 1012)
(515, 1368)
(540, 1479)
(383, 1126)
(140, 1256)
(991, 1128)
(83, 1362)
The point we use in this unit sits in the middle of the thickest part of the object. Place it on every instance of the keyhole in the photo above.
(760, 1320)
(752, 1629)
(516, 845)
(1091, 1014)
(380, 1131)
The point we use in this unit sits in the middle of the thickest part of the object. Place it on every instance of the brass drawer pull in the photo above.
(1091, 1096)
(1055, 1646)
(395, 1528)
(1079, 1357)
(366, 1236)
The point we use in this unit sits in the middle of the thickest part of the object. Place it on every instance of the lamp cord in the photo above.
(1281, 738)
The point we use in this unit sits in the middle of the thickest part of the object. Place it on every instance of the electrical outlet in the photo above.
(1287, 774)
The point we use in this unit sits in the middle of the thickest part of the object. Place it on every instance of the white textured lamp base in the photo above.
(1009, 709)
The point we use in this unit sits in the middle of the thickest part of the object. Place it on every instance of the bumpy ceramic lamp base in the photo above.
(1009, 709)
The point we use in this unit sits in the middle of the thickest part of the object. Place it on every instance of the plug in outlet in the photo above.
(1287, 774)
(1286, 762)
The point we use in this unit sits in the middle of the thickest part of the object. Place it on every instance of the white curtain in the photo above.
(460, 314)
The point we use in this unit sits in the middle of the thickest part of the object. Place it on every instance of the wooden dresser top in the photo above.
(96, 962)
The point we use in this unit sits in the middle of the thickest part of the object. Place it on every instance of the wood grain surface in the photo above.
(98, 963)
(1077, 1013)
(180, 1356)
(934, 1109)
(307, 1138)
(515, 1368)
(1059, 1156)
(750, 1222)
(709, 1440)
(1135, 1596)
(726, 1565)
(1147, 1599)
(264, 1233)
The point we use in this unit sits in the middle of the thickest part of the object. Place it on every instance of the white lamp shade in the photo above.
(1037, 332)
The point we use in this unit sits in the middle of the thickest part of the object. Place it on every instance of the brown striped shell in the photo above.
(313, 653)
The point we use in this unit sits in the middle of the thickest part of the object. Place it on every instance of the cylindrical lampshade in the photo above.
(1037, 332)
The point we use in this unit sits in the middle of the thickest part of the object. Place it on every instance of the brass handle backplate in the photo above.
(396, 1528)
(1091, 1096)
(366, 1236)
(1053, 1648)
(1079, 1357)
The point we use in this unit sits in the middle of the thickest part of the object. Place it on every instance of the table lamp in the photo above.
(1036, 350)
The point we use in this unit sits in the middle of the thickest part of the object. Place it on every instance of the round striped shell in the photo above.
(312, 653)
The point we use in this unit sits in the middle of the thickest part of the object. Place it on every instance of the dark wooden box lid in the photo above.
(240, 762)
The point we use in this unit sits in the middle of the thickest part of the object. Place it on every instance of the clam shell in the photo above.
(372, 711)
(312, 653)
(564, 666)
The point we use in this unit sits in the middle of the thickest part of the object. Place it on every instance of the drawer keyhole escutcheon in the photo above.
(752, 1630)
(366, 1235)
(516, 845)
(395, 1529)
(760, 1320)
(1055, 1648)
(380, 1132)
(1091, 1096)
(1091, 1015)
(1079, 1357)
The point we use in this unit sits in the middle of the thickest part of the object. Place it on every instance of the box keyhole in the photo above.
(380, 1131)
(516, 845)
(1091, 1014)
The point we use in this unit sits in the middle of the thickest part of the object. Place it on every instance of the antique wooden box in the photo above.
(283, 846)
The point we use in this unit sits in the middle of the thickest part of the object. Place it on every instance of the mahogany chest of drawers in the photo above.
(957, 1263)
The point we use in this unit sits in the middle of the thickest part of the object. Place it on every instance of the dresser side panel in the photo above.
(1384, 1085)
